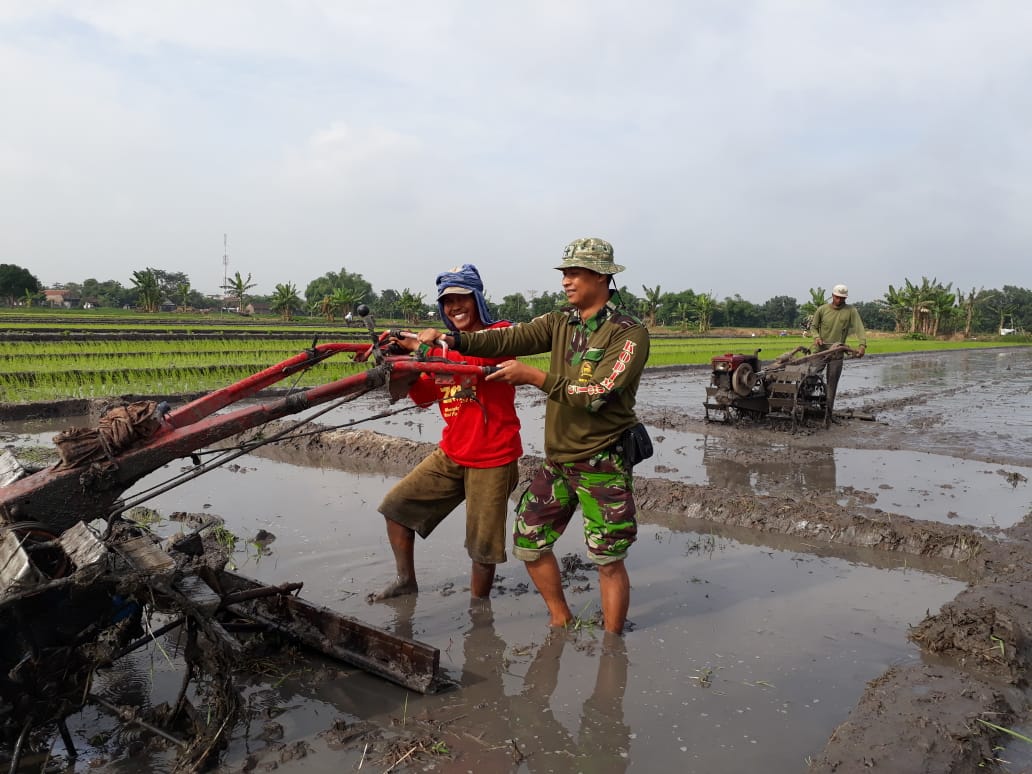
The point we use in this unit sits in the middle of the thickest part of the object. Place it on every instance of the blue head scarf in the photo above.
(468, 278)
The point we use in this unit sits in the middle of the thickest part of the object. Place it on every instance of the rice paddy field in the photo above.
(53, 356)
(749, 647)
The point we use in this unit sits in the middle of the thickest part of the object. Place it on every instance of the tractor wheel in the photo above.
(743, 380)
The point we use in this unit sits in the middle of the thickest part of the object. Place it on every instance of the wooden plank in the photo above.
(146, 555)
(81, 545)
(199, 593)
(16, 569)
(10, 469)
(409, 663)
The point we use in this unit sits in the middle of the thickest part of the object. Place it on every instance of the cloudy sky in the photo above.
(752, 147)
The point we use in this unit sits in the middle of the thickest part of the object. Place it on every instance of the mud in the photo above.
(935, 487)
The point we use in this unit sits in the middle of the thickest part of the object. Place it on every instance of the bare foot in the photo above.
(396, 589)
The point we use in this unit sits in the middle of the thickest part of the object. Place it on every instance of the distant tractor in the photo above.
(791, 387)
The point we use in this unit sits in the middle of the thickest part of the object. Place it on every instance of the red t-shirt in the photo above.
(467, 439)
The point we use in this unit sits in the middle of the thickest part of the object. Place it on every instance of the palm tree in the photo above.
(704, 307)
(650, 305)
(29, 298)
(238, 287)
(285, 300)
(148, 291)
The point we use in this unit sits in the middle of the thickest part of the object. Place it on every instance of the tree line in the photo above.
(926, 307)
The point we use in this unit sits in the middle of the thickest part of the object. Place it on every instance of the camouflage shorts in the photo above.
(604, 490)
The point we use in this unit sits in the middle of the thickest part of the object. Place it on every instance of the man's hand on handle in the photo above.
(514, 372)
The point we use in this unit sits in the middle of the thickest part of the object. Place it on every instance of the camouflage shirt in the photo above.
(592, 379)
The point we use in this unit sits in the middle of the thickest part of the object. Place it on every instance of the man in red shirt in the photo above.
(476, 460)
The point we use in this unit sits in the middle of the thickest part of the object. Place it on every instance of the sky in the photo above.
(754, 147)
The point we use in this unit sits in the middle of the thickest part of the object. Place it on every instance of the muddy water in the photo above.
(747, 650)
(740, 650)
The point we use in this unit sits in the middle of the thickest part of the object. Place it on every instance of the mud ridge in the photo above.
(921, 718)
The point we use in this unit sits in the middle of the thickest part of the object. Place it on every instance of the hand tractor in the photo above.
(790, 387)
(81, 586)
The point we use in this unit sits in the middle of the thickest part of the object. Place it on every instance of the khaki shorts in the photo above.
(436, 486)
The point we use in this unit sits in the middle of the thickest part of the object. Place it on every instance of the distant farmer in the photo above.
(832, 324)
(476, 460)
(598, 353)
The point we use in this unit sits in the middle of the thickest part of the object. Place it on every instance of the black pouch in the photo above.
(634, 445)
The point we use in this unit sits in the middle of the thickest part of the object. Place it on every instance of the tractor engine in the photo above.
(735, 378)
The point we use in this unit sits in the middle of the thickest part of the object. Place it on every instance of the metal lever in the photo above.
(366, 314)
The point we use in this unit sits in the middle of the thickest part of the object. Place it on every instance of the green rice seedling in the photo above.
(144, 516)
(1003, 730)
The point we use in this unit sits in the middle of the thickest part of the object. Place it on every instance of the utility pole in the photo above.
(225, 271)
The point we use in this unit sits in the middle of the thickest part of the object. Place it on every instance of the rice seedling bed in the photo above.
(117, 363)
(32, 386)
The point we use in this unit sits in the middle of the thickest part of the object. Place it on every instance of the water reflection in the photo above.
(922, 370)
(602, 741)
(520, 731)
(768, 471)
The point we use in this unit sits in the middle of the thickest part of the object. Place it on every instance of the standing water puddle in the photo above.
(746, 651)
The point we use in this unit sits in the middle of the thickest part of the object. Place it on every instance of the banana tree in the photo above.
(411, 305)
(285, 300)
(344, 299)
(704, 308)
(818, 298)
(941, 306)
(967, 302)
(897, 305)
(183, 291)
(650, 305)
(148, 291)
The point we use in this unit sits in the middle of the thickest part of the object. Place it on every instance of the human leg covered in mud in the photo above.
(425, 497)
(610, 527)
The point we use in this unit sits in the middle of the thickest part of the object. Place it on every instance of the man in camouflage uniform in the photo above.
(598, 353)
(832, 324)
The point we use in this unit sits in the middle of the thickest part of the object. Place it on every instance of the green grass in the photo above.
(185, 363)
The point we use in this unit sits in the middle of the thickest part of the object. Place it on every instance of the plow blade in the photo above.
(414, 665)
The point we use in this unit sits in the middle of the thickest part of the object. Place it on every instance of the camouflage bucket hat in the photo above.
(590, 253)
